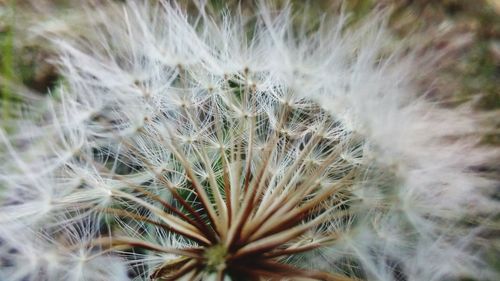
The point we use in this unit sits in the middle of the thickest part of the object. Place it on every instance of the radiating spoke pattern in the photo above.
(255, 175)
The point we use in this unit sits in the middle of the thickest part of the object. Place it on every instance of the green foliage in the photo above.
(7, 68)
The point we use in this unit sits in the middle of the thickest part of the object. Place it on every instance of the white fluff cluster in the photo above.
(264, 129)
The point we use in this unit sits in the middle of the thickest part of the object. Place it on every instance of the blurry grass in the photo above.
(7, 68)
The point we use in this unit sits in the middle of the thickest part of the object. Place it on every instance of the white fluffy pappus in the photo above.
(234, 147)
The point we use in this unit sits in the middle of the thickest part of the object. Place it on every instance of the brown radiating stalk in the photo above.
(198, 222)
(196, 184)
(136, 217)
(198, 189)
(277, 271)
(109, 242)
(261, 206)
(282, 210)
(188, 267)
(257, 183)
(219, 201)
(305, 188)
(275, 240)
(225, 168)
(175, 224)
(170, 267)
(293, 250)
(211, 235)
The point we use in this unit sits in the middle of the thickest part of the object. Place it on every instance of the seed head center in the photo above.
(215, 257)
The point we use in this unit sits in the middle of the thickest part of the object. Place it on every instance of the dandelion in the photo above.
(239, 148)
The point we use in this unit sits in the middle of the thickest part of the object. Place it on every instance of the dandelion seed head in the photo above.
(239, 148)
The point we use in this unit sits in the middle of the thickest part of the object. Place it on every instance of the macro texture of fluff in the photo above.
(239, 148)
